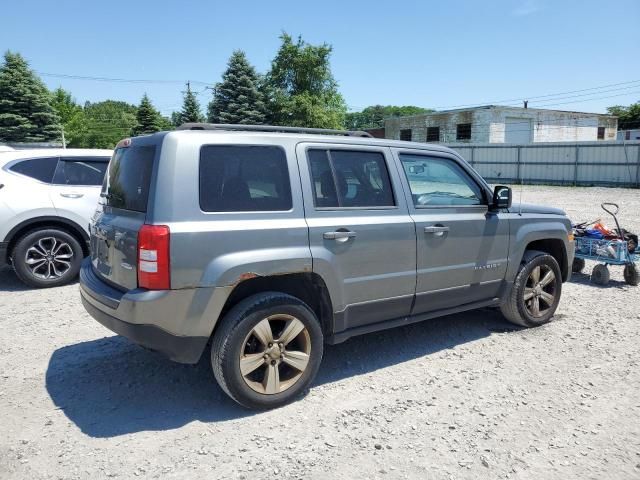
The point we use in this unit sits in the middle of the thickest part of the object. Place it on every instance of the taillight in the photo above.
(153, 257)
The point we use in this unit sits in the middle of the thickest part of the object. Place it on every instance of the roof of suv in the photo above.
(312, 138)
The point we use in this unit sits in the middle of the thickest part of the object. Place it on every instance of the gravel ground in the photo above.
(466, 396)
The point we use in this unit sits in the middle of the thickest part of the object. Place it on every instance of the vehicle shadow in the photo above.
(585, 279)
(110, 387)
(9, 282)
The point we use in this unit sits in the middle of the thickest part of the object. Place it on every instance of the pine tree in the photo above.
(148, 118)
(190, 108)
(238, 99)
(26, 113)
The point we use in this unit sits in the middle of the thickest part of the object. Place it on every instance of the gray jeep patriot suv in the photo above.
(268, 242)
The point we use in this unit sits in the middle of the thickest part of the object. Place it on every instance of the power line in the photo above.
(529, 97)
(533, 99)
(118, 80)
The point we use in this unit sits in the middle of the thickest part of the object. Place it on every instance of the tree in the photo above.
(300, 89)
(238, 99)
(104, 124)
(628, 117)
(147, 117)
(70, 113)
(26, 113)
(374, 115)
(190, 108)
(176, 119)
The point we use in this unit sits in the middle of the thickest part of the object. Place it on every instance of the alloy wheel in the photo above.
(49, 258)
(540, 291)
(275, 354)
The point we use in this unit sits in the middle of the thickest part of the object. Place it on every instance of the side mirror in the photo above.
(502, 197)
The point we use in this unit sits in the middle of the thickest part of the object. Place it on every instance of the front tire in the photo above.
(536, 291)
(267, 350)
(47, 258)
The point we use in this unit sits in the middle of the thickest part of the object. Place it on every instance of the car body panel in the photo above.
(375, 265)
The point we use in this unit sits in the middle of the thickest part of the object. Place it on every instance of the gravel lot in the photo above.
(466, 396)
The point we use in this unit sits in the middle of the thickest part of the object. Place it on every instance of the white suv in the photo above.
(47, 197)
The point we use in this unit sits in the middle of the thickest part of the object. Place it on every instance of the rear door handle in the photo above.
(72, 195)
(340, 235)
(437, 230)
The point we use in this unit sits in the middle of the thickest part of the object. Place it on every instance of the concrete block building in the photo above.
(498, 124)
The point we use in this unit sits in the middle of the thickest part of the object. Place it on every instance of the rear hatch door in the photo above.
(121, 212)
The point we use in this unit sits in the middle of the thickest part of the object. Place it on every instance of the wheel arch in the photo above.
(39, 223)
(309, 287)
(554, 247)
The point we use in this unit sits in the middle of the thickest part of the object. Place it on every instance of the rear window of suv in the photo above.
(239, 178)
(127, 182)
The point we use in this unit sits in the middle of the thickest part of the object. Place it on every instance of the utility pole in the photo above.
(64, 143)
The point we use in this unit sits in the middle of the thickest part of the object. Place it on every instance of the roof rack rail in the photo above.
(271, 128)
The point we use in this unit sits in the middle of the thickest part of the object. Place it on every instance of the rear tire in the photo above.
(578, 265)
(267, 350)
(536, 291)
(631, 274)
(47, 258)
(600, 274)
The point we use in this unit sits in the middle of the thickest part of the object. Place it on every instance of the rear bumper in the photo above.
(176, 323)
(178, 349)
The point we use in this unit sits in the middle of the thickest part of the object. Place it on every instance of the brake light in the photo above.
(125, 142)
(153, 257)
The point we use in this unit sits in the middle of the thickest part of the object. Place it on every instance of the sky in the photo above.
(444, 54)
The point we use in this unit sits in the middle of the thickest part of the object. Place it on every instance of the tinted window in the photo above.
(38, 168)
(433, 134)
(405, 134)
(80, 171)
(439, 182)
(463, 131)
(345, 178)
(129, 178)
(244, 179)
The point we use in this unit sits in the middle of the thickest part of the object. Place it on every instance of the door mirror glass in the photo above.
(502, 197)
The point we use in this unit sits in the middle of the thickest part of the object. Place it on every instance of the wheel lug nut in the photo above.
(273, 362)
(270, 345)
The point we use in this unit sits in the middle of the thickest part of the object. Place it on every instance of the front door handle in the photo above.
(341, 236)
(437, 230)
(72, 195)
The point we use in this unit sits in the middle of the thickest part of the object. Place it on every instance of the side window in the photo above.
(348, 178)
(244, 179)
(41, 169)
(80, 171)
(436, 181)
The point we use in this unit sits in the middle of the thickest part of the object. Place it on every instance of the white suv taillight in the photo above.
(153, 257)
